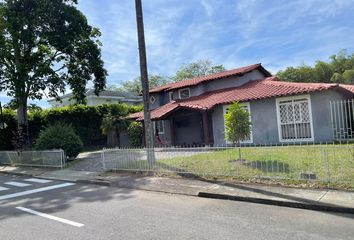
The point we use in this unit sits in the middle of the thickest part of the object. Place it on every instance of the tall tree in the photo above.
(44, 46)
(348, 76)
(322, 72)
(337, 70)
(134, 86)
(299, 74)
(196, 69)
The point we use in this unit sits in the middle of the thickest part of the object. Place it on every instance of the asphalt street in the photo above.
(38, 209)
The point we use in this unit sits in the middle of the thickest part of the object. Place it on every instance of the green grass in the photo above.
(329, 163)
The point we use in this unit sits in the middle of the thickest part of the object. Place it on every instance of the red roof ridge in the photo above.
(213, 76)
(300, 84)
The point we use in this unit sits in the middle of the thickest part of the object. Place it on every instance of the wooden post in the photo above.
(144, 74)
(206, 128)
(172, 130)
(149, 136)
(144, 138)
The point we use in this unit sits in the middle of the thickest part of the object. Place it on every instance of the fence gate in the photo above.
(342, 118)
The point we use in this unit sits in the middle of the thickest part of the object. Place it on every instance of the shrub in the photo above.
(60, 136)
(86, 121)
(135, 133)
(136, 108)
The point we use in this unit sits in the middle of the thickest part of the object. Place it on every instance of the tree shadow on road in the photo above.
(57, 200)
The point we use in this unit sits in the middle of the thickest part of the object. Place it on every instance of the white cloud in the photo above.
(234, 33)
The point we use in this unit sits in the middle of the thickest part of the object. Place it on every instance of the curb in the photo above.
(96, 182)
(17, 174)
(83, 181)
(308, 206)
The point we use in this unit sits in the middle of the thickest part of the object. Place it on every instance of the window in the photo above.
(246, 106)
(294, 118)
(152, 99)
(159, 126)
(170, 96)
(184, 93)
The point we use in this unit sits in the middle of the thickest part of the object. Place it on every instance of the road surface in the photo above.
(37, 209)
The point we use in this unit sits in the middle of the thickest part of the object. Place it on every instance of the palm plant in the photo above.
(112, 126)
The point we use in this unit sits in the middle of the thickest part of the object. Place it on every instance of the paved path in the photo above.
(88, 161)
(84, 211)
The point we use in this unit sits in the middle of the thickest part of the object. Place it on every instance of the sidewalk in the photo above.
(322, 199)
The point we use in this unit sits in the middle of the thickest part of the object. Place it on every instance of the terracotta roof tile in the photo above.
(347, 87)
(253, 90)
(197, 80)
(156, 113)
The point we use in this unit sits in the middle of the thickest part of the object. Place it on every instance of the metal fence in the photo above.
(342, 118)
(325, 163)
(47, 158)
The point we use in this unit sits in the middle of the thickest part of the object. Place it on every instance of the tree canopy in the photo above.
(46, 45)
(191, 70)
(134, 86)
(197, 69)
(237, 123)
(339, 69)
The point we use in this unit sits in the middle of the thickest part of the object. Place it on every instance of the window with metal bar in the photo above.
(159, 126)
(294, 119)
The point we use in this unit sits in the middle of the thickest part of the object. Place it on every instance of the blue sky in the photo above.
(229, 32)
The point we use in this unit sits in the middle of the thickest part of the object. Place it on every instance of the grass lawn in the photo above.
(333, 163)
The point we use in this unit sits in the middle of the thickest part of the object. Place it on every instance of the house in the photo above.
(104, 97)
(191, 112)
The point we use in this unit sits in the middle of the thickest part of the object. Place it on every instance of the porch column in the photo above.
(172, 130)
(206, 128)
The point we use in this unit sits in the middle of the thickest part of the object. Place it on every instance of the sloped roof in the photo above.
(214, 76)
(253, 90)
(347, 87)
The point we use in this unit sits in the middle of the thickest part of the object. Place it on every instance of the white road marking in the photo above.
(37, 180)
(3, 188)
(62, 220)
(18, 184)
(14, 195)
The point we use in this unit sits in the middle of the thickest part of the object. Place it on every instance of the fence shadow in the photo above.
(268, 166)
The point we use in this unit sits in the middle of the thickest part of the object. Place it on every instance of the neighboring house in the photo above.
(191, 112)
(104, 97)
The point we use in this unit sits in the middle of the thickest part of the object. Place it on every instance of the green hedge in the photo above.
(7, 134)
(85, 120)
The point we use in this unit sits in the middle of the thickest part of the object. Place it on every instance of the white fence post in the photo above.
(103, 159)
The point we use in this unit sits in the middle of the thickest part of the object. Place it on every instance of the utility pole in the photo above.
(144, 80)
